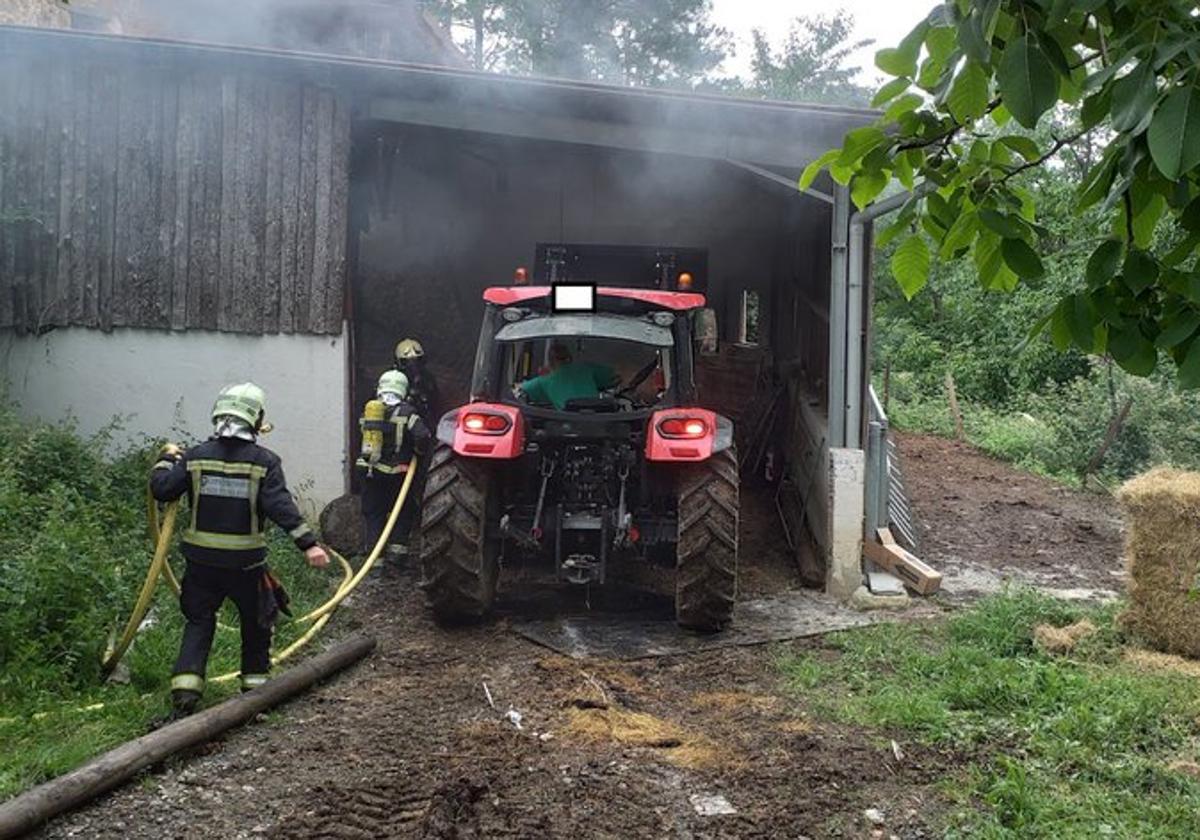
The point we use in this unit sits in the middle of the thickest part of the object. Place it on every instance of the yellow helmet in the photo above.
(246, 401)
(409, 348)
(393, 382)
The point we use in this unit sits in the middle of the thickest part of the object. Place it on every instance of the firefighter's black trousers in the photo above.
(379, 494)
(205, 588)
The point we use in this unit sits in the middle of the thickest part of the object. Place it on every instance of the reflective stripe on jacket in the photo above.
(233, 486)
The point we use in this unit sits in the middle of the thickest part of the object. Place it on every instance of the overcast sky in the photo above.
(887, 21)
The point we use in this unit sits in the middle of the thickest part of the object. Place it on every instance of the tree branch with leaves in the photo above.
(972, 85)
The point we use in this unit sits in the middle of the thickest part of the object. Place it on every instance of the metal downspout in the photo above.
(855, 392)
(838, 319)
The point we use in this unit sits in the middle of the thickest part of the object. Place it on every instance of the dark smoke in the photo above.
(396, 29)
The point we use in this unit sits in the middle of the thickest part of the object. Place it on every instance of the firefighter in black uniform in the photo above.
(393, 432)
(422, 387)
(233, 486)
(423, 395)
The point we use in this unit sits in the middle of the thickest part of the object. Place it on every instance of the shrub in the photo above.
(73, 554)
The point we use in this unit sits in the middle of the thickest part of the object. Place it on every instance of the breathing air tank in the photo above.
(374, 413)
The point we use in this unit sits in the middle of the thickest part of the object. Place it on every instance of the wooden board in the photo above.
(887, 553)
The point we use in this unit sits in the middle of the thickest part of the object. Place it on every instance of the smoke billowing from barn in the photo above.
(175, 216)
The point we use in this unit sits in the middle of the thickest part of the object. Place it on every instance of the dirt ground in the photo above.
(982, 523)
(408, 743)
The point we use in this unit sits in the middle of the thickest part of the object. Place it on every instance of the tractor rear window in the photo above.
(639, 330)
(590, 374)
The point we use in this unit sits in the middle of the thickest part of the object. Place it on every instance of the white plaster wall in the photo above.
(162, 384)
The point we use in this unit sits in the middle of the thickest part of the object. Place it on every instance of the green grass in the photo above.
(1057, 747)
(49, 730)
(75, 550)
(1016, 437)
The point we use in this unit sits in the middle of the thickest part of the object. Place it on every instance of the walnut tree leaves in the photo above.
(966, 115)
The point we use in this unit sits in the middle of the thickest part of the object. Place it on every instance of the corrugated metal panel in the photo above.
(161, 197)
(900, 513)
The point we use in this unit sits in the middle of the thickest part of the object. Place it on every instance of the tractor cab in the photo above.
(583, 349)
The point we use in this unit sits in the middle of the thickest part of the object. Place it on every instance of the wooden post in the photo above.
(954, 411)
(1110, 437)
(32, 808)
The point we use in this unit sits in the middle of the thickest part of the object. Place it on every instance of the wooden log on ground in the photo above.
(34, 807)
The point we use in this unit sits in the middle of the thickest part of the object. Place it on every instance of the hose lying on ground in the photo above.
(160, 568)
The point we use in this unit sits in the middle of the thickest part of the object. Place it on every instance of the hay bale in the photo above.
(1162, 509)
(1062, 640)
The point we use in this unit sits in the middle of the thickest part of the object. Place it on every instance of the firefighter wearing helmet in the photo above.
(410, 360)
(393, 431)
(233, 487)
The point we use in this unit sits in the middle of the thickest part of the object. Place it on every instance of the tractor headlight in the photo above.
(664, 319)
(512, 314)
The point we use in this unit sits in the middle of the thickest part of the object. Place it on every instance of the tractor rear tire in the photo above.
(706, 555)
(459, 563)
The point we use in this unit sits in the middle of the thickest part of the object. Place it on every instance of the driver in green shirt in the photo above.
(567, 380)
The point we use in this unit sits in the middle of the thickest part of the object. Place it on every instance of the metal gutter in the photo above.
(838, 319)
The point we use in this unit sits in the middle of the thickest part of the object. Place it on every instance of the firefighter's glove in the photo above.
(422, 445)
(168, 457)
(171, 451)
(272, 600)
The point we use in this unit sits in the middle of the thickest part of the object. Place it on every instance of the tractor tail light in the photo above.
(483, 423)
(683, 428)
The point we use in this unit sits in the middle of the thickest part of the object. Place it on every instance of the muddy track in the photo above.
(407, 744)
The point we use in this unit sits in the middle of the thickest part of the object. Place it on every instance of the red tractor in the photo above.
(625, 480)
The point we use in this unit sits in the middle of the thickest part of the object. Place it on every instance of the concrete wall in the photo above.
(162, 384)
(847, 469)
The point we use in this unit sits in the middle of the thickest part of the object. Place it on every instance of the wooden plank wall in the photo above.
(170, 198)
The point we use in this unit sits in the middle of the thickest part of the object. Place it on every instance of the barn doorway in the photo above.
(439, 215)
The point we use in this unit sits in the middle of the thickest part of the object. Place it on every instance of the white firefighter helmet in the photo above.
(245, 401)
(393, 382)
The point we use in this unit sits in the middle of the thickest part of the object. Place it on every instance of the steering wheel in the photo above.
(638, 378)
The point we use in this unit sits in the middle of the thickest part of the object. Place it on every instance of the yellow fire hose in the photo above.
(156, 535)
(143, 602)
(159, 568)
